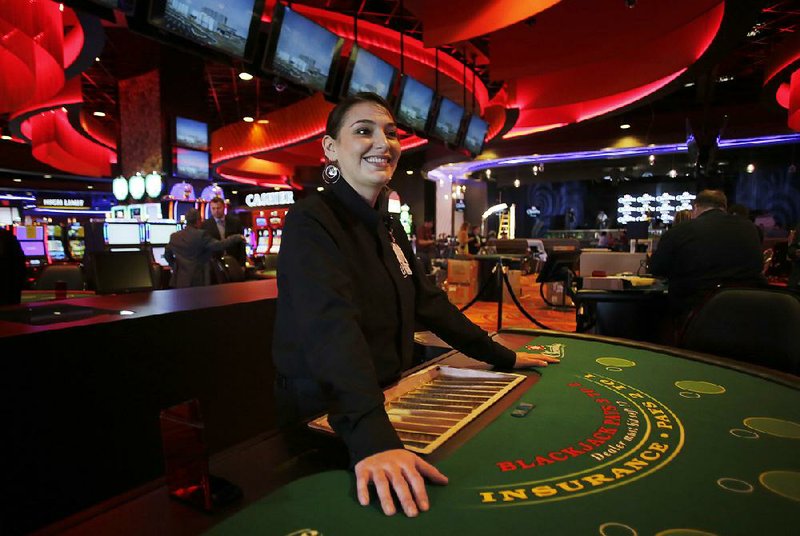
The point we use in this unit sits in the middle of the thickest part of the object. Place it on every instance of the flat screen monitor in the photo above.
(368, 73)
(29, 232)
(558, 266)
(301, 50)
(447, 124)
(191, 134)
(475, 136)
(120, 234)
(117, 272)
(191, 164)
(414, 104)
(159, 233)
(33, 249)
(158, 255)
(229, 27)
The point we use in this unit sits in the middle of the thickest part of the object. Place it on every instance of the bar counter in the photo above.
(81, 399)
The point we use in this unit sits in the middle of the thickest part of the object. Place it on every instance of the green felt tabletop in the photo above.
(621, 441)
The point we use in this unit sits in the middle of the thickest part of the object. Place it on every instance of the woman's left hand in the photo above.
(526, 360)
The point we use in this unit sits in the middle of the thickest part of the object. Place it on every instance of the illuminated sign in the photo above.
(267, 199)
(64, 203)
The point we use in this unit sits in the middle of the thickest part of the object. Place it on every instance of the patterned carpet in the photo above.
(485, 313)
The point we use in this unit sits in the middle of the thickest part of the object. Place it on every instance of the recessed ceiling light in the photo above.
(99, 114)
(90, 187)
(245, 76)
(17, 180)
(688, 84)
(409, 172)
(64, 109)
(247, 119)
(5, 137)
(48, 176)
(96, 58)
(276, 188)
(624, 126)
(516, 183)
(263, 121)
(234, 192)
(320, 188)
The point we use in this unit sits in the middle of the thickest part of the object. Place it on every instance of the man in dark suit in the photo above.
(221, 225)
(713, 248)
(189, 252)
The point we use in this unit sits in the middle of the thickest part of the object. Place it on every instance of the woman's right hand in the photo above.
(399, 470)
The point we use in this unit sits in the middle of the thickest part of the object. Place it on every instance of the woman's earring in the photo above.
(330, 174)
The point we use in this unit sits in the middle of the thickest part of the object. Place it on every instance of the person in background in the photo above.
(793, 253)
(474, 240)
(426, 246)
(349, 296)
(463, 239)
(601, 222)
(713, 248)
(604, 240)
(12, 268)
(189, 252)
(221, 225)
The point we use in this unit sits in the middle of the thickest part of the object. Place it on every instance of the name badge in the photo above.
(405, 268)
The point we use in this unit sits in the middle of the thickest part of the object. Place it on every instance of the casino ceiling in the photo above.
(546, 75)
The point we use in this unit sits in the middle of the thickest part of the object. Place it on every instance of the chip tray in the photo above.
(430, 406)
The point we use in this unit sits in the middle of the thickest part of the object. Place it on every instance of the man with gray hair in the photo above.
(712, 249)
(189, 252)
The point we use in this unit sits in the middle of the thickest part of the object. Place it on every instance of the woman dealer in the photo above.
(349, 293)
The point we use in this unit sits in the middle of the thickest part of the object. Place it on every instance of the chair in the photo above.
(227, 270)
(755, 325)
(234, 271)
(71, 274)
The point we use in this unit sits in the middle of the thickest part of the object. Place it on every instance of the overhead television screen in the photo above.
(476, 135)
(369, 73)
(415, 104)
(190, 164)
(448, 121)
(221, 25)
(304, 51)
(192, 134)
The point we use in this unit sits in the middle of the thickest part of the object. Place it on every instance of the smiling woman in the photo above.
(349, 295)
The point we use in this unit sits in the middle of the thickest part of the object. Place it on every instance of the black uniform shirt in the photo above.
(346, 312)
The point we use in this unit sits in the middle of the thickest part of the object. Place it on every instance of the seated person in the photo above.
(712, 249)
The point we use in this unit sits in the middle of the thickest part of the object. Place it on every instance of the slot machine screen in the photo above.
(122, 233)
(158, 256)
(276, 242)
(29, 232)
(32, 248)
(160, 233)
(263, 244)
(56, 249)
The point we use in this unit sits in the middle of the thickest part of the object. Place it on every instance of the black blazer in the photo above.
(233, 225)
(346, 314)
(713, 249)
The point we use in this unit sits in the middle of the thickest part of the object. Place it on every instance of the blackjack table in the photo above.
(622, 439)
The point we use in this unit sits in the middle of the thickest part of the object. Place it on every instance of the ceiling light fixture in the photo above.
(751, 168)
(5, 137)
(245, 76)
(516, 183)
(624, 126)
(409, 172)
(90, 187)
(247, 119)
(17, 180)
(263, 121)
(99, 114)
(47, 176)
